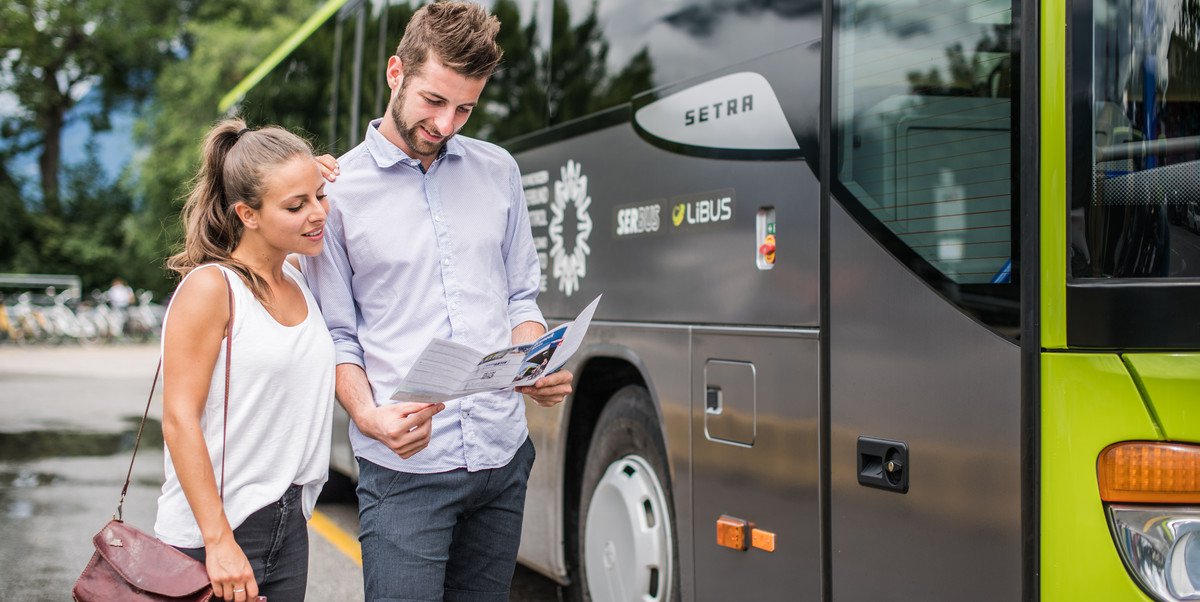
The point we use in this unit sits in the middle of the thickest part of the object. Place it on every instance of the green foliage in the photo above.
(56, 50)
(182, 55)
(87, 238)
(17, 238)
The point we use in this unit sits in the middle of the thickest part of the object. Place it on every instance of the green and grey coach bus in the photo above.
(901, 297)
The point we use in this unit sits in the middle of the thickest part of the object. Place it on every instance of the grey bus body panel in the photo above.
(907, 366)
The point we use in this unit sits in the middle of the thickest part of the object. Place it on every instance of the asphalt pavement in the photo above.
(68, 416)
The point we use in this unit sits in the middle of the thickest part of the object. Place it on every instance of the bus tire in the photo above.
(624, 531)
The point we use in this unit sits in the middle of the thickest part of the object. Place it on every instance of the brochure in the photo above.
(447, 370)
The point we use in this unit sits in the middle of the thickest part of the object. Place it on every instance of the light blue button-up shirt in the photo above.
(412, 255)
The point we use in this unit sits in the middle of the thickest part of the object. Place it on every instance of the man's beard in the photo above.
(418, 145)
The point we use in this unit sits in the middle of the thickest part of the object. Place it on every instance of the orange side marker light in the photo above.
(1149, 472)
(763, 540)
(731, 532)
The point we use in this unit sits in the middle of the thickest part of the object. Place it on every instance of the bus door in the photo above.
(925, 404)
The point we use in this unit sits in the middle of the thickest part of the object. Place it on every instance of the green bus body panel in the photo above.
(1088, 402)
(1053, 159)
(1171, 383)
(315, 21)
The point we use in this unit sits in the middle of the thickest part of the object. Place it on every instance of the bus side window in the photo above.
(930, 156)
(925, 154)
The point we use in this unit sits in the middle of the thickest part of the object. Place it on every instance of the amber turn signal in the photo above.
(763, 540)
(1149, 472)
(731, 532)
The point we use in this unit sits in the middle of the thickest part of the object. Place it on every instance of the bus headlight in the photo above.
(1152, 493)
(1161, 547)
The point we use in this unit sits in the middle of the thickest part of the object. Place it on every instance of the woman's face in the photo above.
(292, 216)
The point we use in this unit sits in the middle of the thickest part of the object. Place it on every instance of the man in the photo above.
(429, 237)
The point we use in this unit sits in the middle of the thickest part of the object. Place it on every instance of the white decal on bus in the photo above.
(569, 267)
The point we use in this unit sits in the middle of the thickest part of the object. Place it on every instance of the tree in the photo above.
(55, 51)
(514, 100)
(580, 82)
(17, 228)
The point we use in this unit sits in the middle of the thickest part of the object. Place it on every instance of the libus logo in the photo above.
(570, 192)
(703, 211)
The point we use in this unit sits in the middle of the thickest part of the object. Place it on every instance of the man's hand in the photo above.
(549, 390)
(329, 167)
(404, 427)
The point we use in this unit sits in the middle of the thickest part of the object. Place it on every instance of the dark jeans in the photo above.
(446, 536)
(275, 541)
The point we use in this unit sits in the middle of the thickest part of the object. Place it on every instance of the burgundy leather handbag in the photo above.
(131, 565)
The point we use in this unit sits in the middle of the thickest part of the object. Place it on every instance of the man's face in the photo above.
(430, 107)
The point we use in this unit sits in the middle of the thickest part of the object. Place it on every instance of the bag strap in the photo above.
(228, 353)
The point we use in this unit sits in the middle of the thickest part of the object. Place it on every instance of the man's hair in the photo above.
(462, 35)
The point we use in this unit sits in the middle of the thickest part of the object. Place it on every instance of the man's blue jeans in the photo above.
(445, 536)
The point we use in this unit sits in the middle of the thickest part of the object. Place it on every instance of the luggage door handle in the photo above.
(883, 464)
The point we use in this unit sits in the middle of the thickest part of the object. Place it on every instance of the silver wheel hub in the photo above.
(627, 535)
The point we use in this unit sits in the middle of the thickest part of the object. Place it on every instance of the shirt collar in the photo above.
(387, 154)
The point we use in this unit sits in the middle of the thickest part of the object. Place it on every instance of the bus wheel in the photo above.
(625, 532)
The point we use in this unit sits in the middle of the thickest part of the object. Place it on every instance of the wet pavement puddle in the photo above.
(33, 445)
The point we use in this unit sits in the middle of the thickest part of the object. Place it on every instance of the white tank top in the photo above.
(281, 391)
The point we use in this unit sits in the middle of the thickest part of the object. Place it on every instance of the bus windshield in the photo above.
(1136, 203)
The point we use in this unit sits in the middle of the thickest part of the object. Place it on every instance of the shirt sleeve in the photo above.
(521, 259)
(329, 277)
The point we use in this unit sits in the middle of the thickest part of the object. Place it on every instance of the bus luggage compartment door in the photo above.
(754, 450)
(729, 412)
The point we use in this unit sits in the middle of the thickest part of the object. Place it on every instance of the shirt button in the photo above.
(446, 261)
(438, 218)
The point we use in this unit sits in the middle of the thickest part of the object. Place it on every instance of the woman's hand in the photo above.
(329, 167)
(229, 570)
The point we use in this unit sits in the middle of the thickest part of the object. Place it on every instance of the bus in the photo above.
(901, 297)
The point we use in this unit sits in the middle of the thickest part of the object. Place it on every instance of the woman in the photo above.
(258, 197)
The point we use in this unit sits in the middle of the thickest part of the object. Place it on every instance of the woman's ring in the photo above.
(238, 591)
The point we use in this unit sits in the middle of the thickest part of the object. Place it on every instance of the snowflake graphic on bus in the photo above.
(571, 189)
